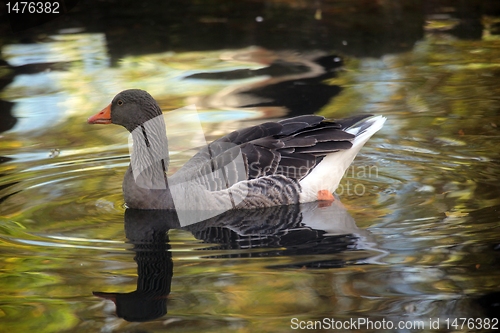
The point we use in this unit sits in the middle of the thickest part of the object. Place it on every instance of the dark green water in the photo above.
(417, 241)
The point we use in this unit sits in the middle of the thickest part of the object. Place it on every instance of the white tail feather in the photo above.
(328, 173)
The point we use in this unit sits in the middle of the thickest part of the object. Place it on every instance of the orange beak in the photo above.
(103, 117)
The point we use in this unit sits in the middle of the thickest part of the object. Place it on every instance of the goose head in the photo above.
(130, 108)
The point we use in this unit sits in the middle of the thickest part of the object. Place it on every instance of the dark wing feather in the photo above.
(293, 127)
(309, 119)
(296, 166)
(290, 147)
(261, 161)
(325, 134)
(292, 141)
(325, 147)
(224, 143)
(252, 133)
(268, 142)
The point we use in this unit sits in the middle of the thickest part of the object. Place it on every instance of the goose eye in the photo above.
(120, 102)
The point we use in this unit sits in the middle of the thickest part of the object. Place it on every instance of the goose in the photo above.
(290, 161)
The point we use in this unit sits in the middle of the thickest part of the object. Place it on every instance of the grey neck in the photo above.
(149, 156)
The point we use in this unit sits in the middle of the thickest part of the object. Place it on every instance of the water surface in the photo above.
(414, 236)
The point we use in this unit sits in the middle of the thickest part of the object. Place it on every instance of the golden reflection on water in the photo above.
(431, 203)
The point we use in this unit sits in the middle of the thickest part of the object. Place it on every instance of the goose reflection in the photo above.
(147, 231)
(314, 231)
